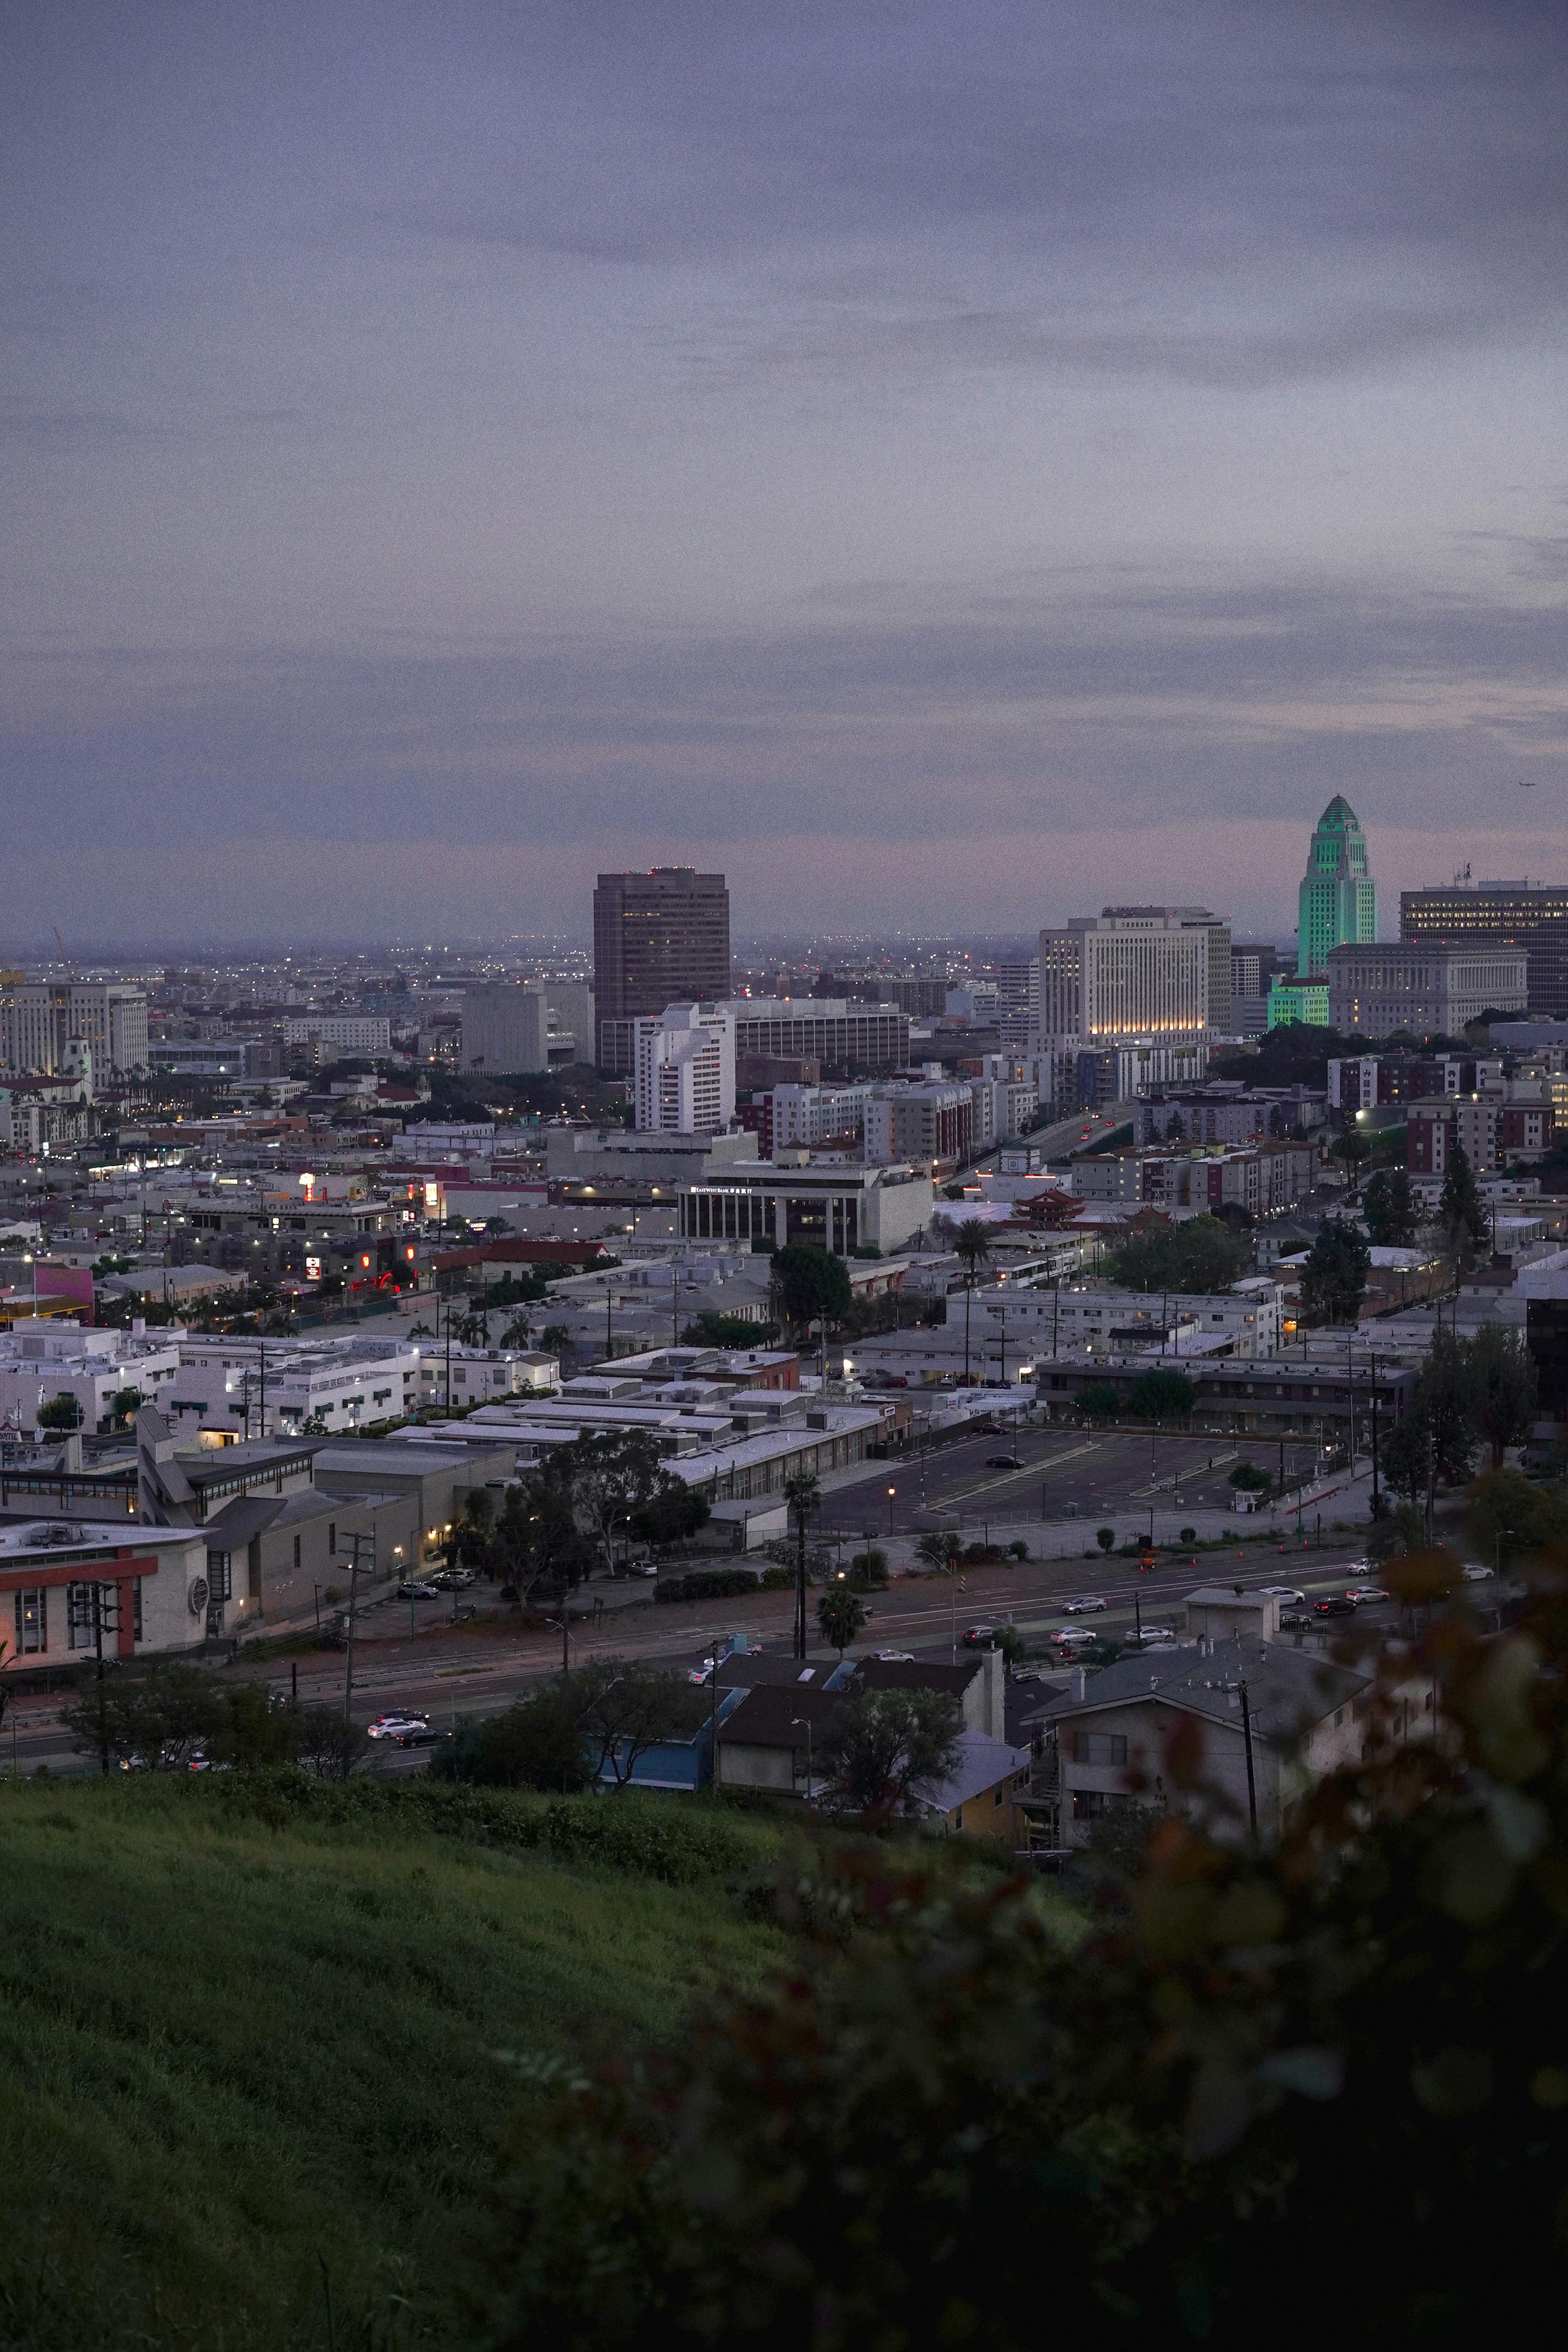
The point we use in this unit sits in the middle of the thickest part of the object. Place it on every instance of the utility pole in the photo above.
(354, 1539)
(1251, 1779)
(1375, 1493)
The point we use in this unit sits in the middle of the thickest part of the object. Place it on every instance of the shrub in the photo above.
(1251, 1477)
(1018, 1549)
(1106, 1538)
(1186, 1534)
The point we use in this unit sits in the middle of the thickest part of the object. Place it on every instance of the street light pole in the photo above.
(1251, 1779)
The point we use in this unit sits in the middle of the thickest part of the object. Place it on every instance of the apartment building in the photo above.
(327, 1034)
(927, 1119)
(685, 1070)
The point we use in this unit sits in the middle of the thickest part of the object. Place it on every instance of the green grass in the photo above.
(248, 2038)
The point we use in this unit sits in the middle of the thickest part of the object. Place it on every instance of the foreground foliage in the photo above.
(946, 2118)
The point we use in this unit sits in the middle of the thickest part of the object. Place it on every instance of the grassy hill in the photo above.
(249, 2080)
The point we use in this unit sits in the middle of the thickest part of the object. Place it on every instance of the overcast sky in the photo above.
(949, 467)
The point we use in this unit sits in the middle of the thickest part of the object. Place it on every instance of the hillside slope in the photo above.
(249, 2080)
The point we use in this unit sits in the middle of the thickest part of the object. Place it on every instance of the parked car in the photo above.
(393, 1726)
(417, 1588)
(1003, 1462)
(1294, 1621)
(1282, 1593)
(639, 1568)
(1081, 1608)
(1477, 1575)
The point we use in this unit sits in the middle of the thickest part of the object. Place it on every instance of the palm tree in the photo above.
(841, 1614)
(973, 1243)
(802, 1500)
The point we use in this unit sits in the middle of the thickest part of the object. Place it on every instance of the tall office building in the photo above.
(1130, 974)
(40, 1020)
(685, 1070)
(1337, 903)
(1218, 932)
(1528, 915)
(659, 939)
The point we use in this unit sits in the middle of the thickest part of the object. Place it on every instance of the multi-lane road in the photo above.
(449, 1673)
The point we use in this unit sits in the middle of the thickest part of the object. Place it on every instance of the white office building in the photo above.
(685, 1064)
(345, 1033)
(279, 1388)
(1129, 975)
(41, 1021)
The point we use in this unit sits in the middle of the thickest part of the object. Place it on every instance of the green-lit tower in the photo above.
(1338, 900)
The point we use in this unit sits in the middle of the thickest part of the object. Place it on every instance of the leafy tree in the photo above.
(1333, 1280)
(1501, 1374)
(1437, 1441)
(1511, 1517)
(1389, 1209)
(809, 1284)
(1106, 1538)
(673, 1513)
(1162, 1396)
(327, 1746)
(1462, 1221)
(154, 1720)
(1251, 1477)
(840, 1615)
(711, 1329)
(124, 1404)
(868, 1570)
(939, 1547)
(613, 1475)
(630, 1706)
(1098, 1402)
(471, 1542)
(887, 1748)
(539, 1742)
(1200, 1254)
(540, 1551)
(1352, 1152)
(62, 1412)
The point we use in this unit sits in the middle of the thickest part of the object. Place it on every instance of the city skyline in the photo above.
(927, 482)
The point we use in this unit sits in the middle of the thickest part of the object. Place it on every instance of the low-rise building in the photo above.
(280, 1388)
(1260, 1712)
(68, 1589)
(841, 1207)
(44, 1360)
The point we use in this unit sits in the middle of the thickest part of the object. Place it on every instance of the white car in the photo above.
(1156, 1633)
(1477, 1575)
(1073, 1637)
(392, 1727)
(894, 1657)
(1361, 1593)
(1081, 1608)
(1283, 1592)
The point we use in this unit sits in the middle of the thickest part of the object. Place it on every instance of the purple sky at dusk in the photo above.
(949, 467)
